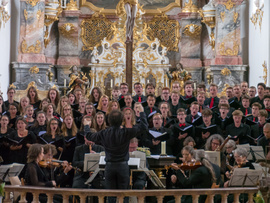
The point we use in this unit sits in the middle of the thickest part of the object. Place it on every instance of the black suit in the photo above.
(207, 102)
(136, 98)
(264, 142)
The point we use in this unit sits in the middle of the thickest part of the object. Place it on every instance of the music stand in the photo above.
(213, 157)
(10, 170)
(91, 162)
(244, 177)
(257, 152)
(250, 156)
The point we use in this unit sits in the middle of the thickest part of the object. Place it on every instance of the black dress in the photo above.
(39, 130)
(4, 146)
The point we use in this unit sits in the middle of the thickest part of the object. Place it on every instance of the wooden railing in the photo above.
(120, 194)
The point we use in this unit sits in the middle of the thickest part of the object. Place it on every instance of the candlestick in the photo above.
(163, 149)
(65, 82)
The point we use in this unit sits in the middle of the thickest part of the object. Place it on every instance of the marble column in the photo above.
(31, 45)
(228, 37)
(68, 38)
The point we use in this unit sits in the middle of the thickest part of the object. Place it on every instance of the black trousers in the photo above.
(116, 177)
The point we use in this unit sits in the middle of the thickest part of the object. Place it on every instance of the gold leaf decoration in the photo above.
(229, 4)
(38, 14)
(35, 49)
(25, 13)
(32, 2)
(235, 16)
(225, 72)
(229, 52)
(94, 30)
(222, 16)
(34, 70)
(192, 30)
(166, 30)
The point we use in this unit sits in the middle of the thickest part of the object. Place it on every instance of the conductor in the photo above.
(115, 140)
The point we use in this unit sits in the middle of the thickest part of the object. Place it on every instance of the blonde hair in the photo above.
(133, 120)
(95, 125)
(100, 101)
(59, 109)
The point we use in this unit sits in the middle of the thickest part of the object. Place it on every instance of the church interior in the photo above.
(102, 45)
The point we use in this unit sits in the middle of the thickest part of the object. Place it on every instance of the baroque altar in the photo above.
(54, 35)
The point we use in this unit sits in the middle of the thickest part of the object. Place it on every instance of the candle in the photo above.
(194, 85)
(111, 83)
(163, 148)
(147, 81)
(65, 82)
(166, 82)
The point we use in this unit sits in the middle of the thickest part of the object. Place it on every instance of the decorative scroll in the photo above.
(94, 30)
(166, 30)
(190, 7)
(257, 18)
(35, 49)
(34, 70)
(38, 14)
(229, 4)
(229, 52)
(32, 2)
(222, 16)
(67, 30)
(25, 13)
(192, 30)
(225, 72)
(264, 72)
(235, 16)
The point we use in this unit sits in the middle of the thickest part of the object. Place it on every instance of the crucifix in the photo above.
(131, 11)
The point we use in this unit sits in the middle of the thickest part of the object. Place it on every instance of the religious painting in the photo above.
(150, 6)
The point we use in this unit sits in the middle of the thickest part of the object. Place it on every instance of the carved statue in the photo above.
(131, 12)
(77, 80)
(94, 55)
(179, 75)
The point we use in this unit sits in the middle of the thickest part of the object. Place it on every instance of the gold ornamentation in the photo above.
(229, 52)
(12, 86)
(166, 30)
(50, 74)
(225, 72)
(257, 17)
(223, 92)
(32, 2)
(72, 6)
(94, 30)
(264, 72)
(38, 14)
(25, 13)
(91, 6)
(192, 30)
(67, 30)
(229, 4)
(190, 7)
(49, 20)
(34, 70)
(35, 49)
(4, 16)
(31, 84)
(222, 16)
(54, 87)
(235, 16)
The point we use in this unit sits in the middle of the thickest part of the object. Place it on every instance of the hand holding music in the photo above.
(205, 135)
(155, 142)
(182, 136)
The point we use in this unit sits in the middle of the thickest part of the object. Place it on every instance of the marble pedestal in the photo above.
(237, 74)
(22, 75)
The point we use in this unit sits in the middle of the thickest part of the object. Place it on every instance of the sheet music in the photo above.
(156, 134)
(245, 177)
(91, 162)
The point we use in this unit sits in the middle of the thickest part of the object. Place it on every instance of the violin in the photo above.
(52, 163)
(186, 166)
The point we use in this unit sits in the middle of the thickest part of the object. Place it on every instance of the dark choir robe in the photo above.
(239, 134)
(159, 100)
(265, 143)
(150, 112)
(81, 177)
(177, 129)
(187, 100)
(212, 129)
(256, 99)
(223, 123)
(168, 122)
(251, 120)
(39, 130)
(246, 111)
(136, 98)
(36, 105)
(6, 103)
(175, 108)
(69, 147)
(4, 146)
(235, 103)
(256, 132)
(194, 120)
(207, 102)
(156, 149)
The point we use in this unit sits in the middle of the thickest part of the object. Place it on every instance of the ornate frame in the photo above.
(176, 3)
